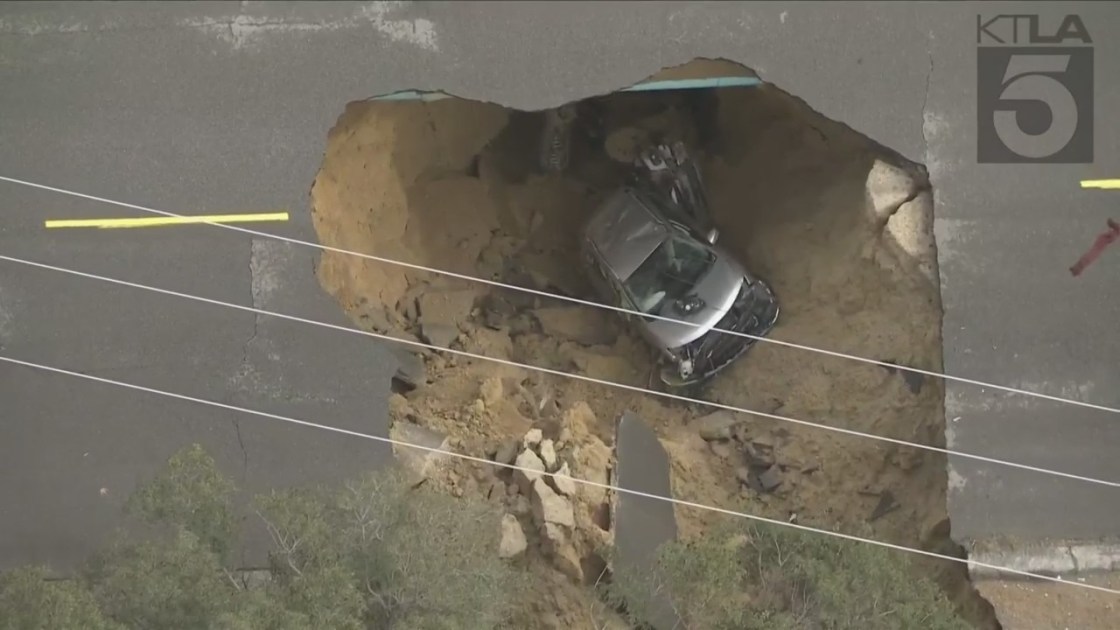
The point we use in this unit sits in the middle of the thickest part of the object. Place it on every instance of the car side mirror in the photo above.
(711, 236)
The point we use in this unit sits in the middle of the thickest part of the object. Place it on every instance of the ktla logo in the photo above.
(1034, 90)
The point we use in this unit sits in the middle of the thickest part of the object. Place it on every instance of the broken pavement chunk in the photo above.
(643, 524)
(411, 371)
(770, 479)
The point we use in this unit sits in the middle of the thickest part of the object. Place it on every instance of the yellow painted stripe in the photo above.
(1105, 184)
(160, 221)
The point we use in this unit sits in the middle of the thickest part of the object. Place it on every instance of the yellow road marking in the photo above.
(160, 221)
(1104, 184)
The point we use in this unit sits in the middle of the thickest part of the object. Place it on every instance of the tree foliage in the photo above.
(31, 601)
(375, 554)
(762, 577)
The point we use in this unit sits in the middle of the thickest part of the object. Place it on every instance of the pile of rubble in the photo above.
(758, 469)
(564, 520)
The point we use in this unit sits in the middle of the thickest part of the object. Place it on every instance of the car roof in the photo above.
(625, 232)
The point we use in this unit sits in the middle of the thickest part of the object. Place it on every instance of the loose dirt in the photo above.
(452, 185)
(1037, 605)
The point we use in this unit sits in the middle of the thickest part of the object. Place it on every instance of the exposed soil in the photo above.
(452, 185)
(1038, 605)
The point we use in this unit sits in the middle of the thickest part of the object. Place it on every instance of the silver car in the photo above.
(650, 248)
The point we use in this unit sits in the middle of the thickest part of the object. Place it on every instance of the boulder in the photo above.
(888, 186)
(553, 538)
(562, 481)
(439, 335)
(529, 469)
(532, 438)
(547, 452)
(507, 452)
(513, 542)
(550, 507)
(491, 391)
(567, 561)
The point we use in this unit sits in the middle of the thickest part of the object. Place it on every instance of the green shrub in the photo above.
(376, 554)
(765, 577)
(29, 601)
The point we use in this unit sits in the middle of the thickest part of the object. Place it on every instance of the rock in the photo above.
(887, 504)
(529, 469)
(375, 316)
(491, 391)
(439, 335)
(717, 426)
(549, 507)
(513, 542)
(594, 466)
(562, 481)
(739, 433)
(417, 462)
(447, 307)
(743, 474)
(507, 452)
(567, 561)
(399, 407)
(913, 380)
(553, 538)
(764, 442)
(720, 449)
(548, 455)
(477, 408)
(520, 505)
(755, 458)
(532, 438)
(580, 324)
(888, 186)
(770, 479)
(625, 144)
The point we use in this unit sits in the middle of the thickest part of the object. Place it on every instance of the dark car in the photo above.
(650, 248)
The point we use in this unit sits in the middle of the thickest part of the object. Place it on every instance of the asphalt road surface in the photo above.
(224, 107)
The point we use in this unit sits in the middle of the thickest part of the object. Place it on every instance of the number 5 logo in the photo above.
(1035, 105)
(1028, 78)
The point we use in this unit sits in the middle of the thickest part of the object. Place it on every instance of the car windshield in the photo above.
(670, 273)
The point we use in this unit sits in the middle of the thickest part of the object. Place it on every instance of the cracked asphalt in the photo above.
(224, 107)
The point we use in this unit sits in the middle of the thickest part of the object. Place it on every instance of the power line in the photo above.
(580, 377)
(609, 487)
(573, 300)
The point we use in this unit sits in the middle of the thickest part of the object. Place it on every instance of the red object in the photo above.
(1104, 240)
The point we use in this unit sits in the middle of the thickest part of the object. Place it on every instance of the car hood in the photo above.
(718, 289)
